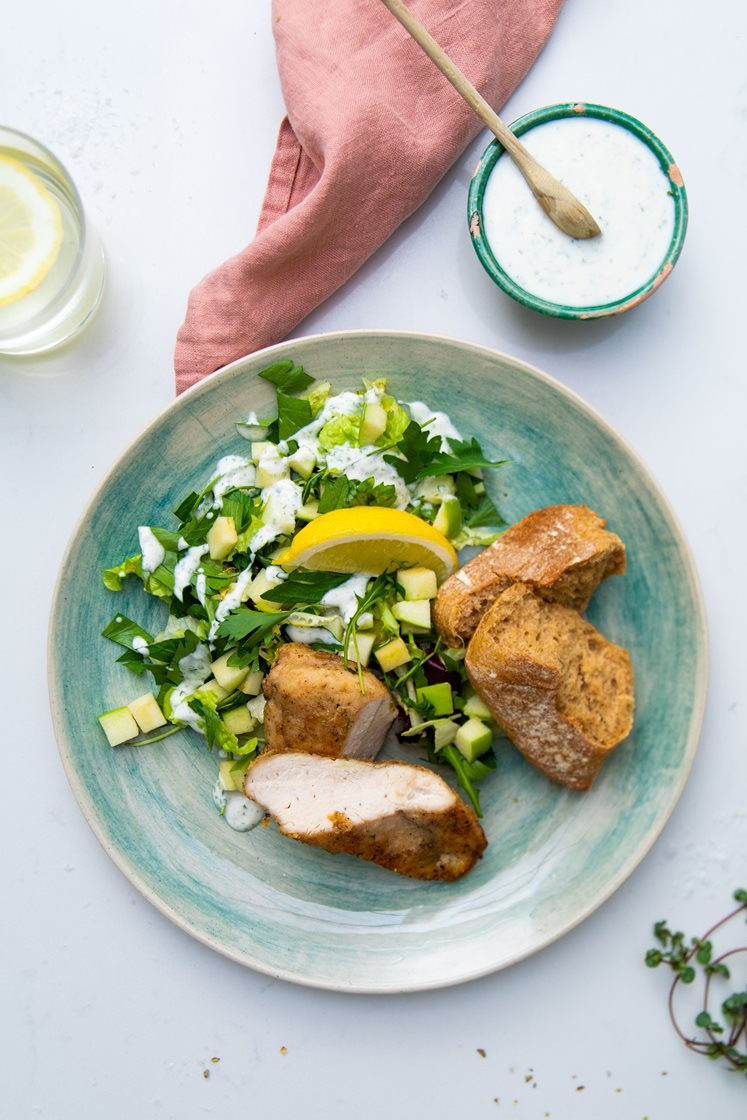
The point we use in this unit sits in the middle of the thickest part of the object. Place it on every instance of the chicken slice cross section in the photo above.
(402, 817)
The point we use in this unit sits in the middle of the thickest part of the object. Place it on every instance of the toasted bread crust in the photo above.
(562, 552)
(561, 690)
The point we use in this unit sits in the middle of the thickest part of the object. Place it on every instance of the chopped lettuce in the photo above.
(396, 421)
(341, 429)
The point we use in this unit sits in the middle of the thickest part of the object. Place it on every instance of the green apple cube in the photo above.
(252, 683)
(218, 691)
(418, 583)
(448, 520)
(416, 612)
(228, 676)
(261, 583)
(444, 732)
(264, 449)
(119, 726)
(475, 706)
(364, 643)
(148, 715)
(373, 423)
(270, 471)
(239, 721)
(256, 708)
(238, 772)
(392, 655)
(302, 462)
(278, 512)
(439, 696)
(228, 776)
(332, 623)
(435, 489)
(308, 511)
(473, 739)
(222, 537)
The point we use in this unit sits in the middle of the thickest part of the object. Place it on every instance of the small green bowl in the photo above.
(492, 265)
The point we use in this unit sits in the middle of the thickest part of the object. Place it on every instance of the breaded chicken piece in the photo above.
(405, 818)
(562, 552)
(315, 704)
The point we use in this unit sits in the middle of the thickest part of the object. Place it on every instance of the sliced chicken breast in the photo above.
(315, 704)
(405, 818)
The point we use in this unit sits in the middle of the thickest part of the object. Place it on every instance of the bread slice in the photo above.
(561, 552)
(562, 692)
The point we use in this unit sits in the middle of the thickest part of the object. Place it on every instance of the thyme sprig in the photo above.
(723, 1036)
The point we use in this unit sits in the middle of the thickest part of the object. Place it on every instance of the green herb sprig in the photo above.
(722, 1036)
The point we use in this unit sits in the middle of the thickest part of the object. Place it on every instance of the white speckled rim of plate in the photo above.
(333, 922)
(493, 266)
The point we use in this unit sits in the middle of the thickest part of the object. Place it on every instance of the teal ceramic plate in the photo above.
(332, 921)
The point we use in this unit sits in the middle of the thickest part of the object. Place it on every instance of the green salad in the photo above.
(233, 589)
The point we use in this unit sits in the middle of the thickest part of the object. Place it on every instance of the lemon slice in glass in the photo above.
(370, 540)
(30, 230)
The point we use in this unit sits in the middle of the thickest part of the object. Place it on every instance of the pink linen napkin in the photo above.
(372, 127)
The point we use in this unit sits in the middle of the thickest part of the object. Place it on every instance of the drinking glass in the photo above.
(65, 290)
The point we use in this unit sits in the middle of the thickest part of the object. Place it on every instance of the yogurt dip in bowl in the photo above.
(626, 177)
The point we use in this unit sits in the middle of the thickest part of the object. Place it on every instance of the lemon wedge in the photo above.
(30, 230)
(370, 540)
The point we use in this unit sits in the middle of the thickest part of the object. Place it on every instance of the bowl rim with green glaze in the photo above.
(493, 267)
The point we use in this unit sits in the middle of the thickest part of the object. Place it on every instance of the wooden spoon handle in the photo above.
(561, 206)
(460, 81)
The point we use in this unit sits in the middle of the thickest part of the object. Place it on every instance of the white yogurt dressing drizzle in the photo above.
(196, 669)
(310, 634)
(440, 424)
(186, 568)
(231, 600)
(345, 597)
(360, 463)
(234, 471)
(241, 813)
(152, 551)
(618, 178)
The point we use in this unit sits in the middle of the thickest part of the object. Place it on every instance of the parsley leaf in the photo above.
(304, 586)
(123, 631)
(485, 513)
(216, 733)
(417, 452)
(466, 455)
(186, 508)
(287, 377)
(248, 624)
(293, 413)
(342, 492)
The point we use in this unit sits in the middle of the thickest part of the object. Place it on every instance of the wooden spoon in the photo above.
(560, 205)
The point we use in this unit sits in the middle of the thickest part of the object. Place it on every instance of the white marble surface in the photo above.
(167, 115)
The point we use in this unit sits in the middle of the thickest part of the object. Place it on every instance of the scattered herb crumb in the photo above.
(481, 1052)
(214, 1060)
(206, 1073)
(580, 1088)
(283, 1049)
